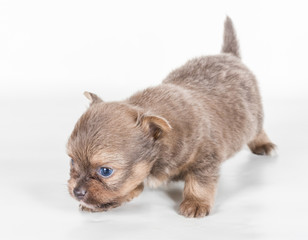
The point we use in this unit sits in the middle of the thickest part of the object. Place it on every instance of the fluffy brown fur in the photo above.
(202, 114)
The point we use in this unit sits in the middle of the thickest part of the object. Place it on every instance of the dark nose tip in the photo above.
(80, 192)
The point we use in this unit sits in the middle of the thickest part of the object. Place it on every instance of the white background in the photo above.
(52, 51)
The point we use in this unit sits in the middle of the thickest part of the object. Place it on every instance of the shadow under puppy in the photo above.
(201, 114)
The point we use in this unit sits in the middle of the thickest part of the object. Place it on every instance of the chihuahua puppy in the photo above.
(183, 129)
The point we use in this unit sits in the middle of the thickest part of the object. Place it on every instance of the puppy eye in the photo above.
(105, 172)
(72, 162)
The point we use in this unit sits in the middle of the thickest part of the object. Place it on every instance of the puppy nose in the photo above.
(80, 192)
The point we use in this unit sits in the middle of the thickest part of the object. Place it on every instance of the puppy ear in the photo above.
(155, 126)
(92, 97)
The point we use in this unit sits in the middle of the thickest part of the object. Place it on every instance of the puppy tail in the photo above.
(230, 44)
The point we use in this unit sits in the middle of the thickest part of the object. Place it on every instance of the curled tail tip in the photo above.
(230, 43)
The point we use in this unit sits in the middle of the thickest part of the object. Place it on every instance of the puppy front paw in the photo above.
(194, 209)
(134, 193)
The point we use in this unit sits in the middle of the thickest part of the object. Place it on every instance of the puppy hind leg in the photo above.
(261, 145)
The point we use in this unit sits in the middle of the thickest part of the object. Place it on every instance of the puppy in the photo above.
(201, 114)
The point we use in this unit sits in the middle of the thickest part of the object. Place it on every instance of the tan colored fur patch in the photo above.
(140, 172)
(198, 198)
(201, 192)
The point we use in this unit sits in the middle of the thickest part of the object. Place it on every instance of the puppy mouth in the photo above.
(106, 206)
(100, 207)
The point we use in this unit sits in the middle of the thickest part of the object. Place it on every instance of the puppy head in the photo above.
(113, 147)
